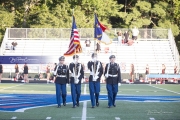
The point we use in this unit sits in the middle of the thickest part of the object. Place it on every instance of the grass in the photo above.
(125, 110)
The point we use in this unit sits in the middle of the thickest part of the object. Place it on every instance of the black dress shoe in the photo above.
(64, 104)
(109, 106)
(92, 106)
(77, 104)
(58, 106)
(97, 104)
(114, 105)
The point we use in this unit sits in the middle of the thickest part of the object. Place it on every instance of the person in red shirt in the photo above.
(88, 44)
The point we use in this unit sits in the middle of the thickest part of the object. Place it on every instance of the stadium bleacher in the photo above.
(153, 52)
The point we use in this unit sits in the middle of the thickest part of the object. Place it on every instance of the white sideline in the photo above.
(165, 89)
(85, 88)
(11, 87)
(84, 110)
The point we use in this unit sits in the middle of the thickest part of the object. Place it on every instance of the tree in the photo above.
(150, 14)
(6, 20)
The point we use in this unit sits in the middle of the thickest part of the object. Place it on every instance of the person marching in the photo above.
(77, 71)
(96, 71)
(113, 80)
(61, 78)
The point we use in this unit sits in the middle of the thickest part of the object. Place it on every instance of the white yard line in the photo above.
(13, 117)
(84, 110)
(117, 118)
(11, 87)
(165, 89)
(151, 119)
(85, 88)
(48, 118)
(81, 117)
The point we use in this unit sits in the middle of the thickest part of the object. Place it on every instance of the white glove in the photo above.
(119, 84)
(96, 77)
(76, 81)
(106, 75)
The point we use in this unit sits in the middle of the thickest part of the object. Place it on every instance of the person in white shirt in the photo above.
(119, 37)
(135, 33)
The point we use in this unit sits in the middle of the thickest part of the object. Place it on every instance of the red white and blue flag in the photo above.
(74, 46)
(99, 32)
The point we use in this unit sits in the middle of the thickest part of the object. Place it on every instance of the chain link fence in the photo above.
(64, 33)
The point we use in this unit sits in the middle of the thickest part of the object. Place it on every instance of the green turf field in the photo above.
(125, 110)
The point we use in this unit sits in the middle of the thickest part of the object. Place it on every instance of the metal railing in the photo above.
(173, 47)
(64, 33)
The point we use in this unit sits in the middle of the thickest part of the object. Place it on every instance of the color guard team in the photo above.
(61, 77)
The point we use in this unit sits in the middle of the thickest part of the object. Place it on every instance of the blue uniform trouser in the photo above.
(112, 92)
(60, 90)
(75, 92)
(94, 88)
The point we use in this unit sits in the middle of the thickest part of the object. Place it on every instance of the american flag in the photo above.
(74, 45)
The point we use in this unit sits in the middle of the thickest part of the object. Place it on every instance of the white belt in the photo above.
(61, 75)
(91, 73)
(72, 75)
(112, 75)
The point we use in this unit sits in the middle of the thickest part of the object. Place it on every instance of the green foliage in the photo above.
(138, 15)
(58, 14)
(6, 20)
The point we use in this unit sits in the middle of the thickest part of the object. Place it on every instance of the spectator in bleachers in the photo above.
(25, 69)
(14, 44)
(16, 72)
(147, 72)
(119, 37)
(126, 36)
(106, 49)
(135, 33)
(163, 69)
(7, 47)
(176, 71)
(98, 47)
(88, 45)
(48, 73)
(132, 73)
(1, 71)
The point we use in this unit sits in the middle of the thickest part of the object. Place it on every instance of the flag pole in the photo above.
(94, 40)
(94, 30)
(73, 21)
(74, 49)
